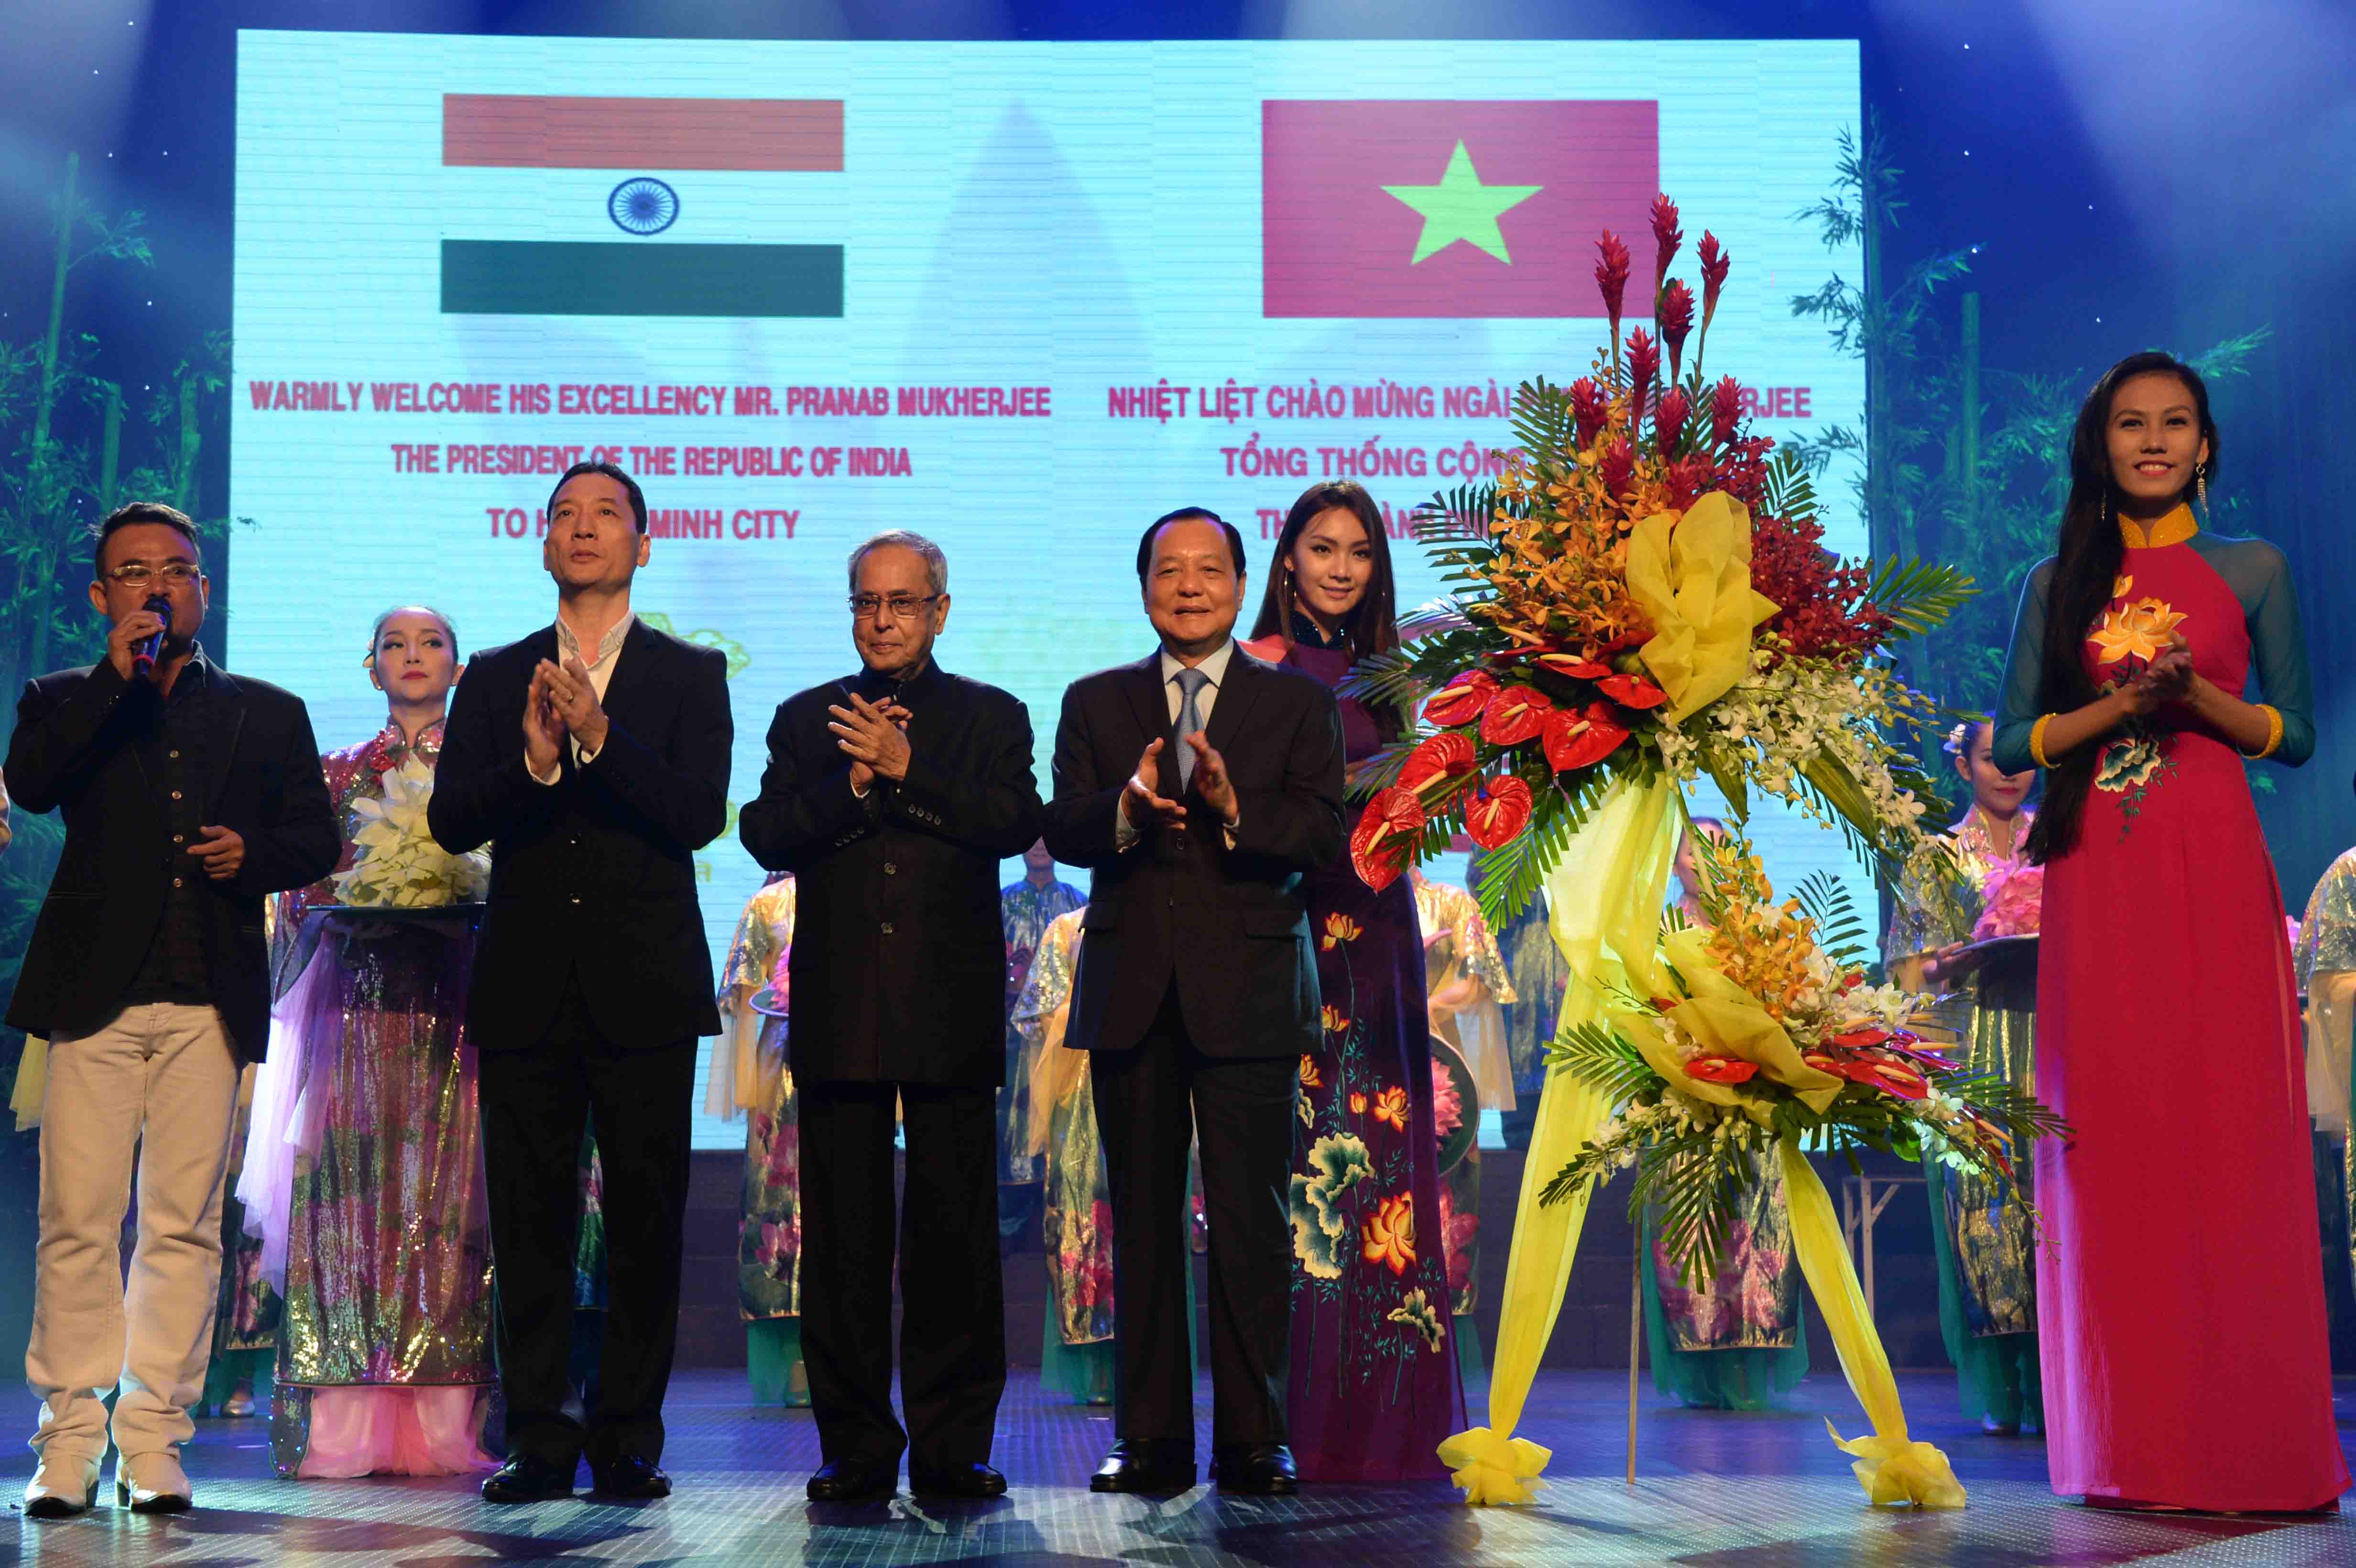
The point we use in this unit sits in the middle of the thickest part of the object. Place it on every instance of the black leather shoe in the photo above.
(958, 1481)
(629, 1476)
(524, 1480)
(843, 1482)
(1264, 1469)
(1138, 1467)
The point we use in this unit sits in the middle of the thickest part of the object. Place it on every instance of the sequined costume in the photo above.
(1539, 974)
(378, 1229)
(750, 1077)
(1457, 943)
(2325, 959)
(1983, 1242)
(1026, 910)
(1076, 1347)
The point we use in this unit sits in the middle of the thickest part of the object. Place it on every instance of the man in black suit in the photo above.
(592, 755)
(892, 797)
(187, 795)
(1197, 785)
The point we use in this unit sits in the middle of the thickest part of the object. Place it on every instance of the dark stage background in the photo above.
(2044, 185)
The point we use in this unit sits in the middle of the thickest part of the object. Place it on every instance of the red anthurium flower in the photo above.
(1633, 691)
(1581, 738)
(1499, 812)
(1514, 714)
(1858, 1039)
(1461, 700)
(1611, 276)
(1674, 314)
(1721, 1069)
(1900, 1079)
(1589, 408)
(1437, 766)
(1571, 664)
(1666, 236)
(1823, 1062)
(1386, 835)
(1715, 260)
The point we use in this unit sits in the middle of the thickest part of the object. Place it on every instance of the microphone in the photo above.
(144, 650)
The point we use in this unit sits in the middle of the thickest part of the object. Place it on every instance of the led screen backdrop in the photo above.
(1021, 297)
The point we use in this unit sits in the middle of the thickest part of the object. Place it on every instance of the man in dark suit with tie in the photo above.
(1197, 785)
(187, 795)
(593, 756)
(892, 797)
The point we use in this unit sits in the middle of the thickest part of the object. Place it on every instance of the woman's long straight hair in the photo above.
(1372, 627)
(2086, 565)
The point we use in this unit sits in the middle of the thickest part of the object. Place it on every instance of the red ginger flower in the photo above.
(1667, 237)
(1611, 276)
(1715, 260)
(1669, 419)
(1590, 408)
(1674, 313)
(1644, 364)
(1725, 410)
(1616, 467)
(1688, 478)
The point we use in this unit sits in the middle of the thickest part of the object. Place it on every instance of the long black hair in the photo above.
(1372, 627)
(2086, 565)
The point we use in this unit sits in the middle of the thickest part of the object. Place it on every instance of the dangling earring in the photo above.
(2201, 482)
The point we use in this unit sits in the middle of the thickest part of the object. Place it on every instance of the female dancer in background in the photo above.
(1374, 1384)
(2180, 1304)
(750, 1077)
(1975, 882)
(370, 1197)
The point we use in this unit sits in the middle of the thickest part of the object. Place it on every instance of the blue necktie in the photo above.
(1190, 683)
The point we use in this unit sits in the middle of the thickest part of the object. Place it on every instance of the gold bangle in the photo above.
(2273, 731)
(2037, 740)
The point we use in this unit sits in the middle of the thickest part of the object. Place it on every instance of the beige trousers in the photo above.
(160, 1080)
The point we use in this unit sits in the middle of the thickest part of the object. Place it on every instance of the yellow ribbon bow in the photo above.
(1690, 573)
(1493, 1469)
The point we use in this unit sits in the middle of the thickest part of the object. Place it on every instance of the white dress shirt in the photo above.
(601, 677)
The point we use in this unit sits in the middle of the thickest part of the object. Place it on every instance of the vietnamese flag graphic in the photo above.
(1432, 208)
(646, 139)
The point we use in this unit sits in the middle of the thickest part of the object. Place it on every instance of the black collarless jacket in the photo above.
(1229, 925)
(898, 967)
(74, 751)
(592, 877)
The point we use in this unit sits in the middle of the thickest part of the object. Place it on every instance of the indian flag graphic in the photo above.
(654, 147)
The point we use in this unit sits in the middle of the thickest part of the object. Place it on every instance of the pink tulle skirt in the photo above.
(395, 1431)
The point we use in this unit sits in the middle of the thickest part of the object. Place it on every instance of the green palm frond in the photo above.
(1599, 1056)
(1918, 596)
(1512, 876)
(1789, 492)
(1840, 929)
(1697, 1181)
(1459, 517)
(1543, 421)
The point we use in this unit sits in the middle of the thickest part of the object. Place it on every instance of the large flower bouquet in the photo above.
(1770, 1034)
(398, 864)
(1643, 591)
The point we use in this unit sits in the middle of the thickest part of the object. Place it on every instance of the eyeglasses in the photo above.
(904, 606)
(177, 574)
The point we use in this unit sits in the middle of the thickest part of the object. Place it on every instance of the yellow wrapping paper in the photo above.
(1891, 1467)
(1690, 573)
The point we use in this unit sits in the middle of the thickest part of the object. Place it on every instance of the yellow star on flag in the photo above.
(1461, 208)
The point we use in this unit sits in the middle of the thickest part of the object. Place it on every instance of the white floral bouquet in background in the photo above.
(398, 864)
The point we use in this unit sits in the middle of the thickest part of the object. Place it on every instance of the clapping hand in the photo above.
(543, 726)
(1211, 782)
(2165, 680)
(1140, 805)
(875, 736)
(574, 697)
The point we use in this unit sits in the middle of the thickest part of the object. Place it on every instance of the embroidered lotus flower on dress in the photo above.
(398, 864)
(1389, 1234)
(1417, 1313)
(2141, 630)
(1319, 1227)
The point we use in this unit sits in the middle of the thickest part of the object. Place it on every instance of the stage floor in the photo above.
(1712, 1489)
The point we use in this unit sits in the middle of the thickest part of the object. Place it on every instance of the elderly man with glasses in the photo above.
(893, 795)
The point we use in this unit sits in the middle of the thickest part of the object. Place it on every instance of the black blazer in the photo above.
(72, 752)
(592, 877)
(1232, 926)
(898, 967)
